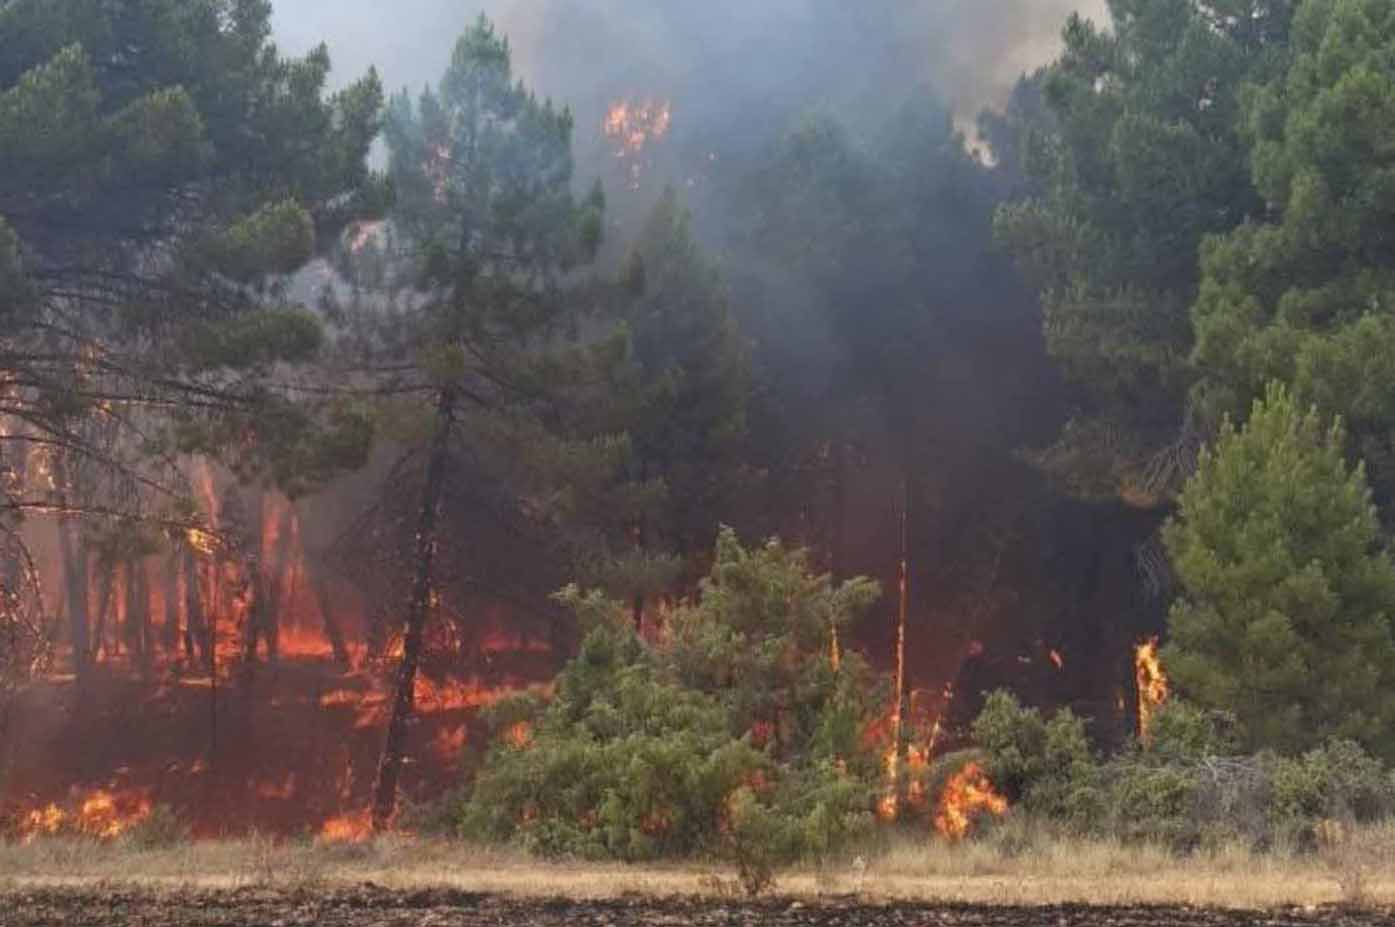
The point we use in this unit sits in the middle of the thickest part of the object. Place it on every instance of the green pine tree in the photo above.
(1139, 156)
(1307, 296)
(1285, 617)
(482, 319)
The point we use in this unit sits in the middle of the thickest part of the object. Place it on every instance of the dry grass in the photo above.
(1031, 871)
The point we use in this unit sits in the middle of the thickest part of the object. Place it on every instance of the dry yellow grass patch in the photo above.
(1048, 871)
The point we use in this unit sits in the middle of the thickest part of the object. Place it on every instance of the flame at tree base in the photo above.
(967, 795)
(1153, 688)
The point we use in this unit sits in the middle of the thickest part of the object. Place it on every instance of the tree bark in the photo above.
(75, 575)
(332, 629)
(195, 628)
(418, 608)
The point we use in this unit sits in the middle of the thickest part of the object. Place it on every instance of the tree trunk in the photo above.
(75, 558)
(138, 614)
(332, 629)
(75, 589)
(195, 628)
(903, 601)
(106, 592)
(390, 767)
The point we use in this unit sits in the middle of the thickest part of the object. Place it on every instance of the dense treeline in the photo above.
(1131, 355)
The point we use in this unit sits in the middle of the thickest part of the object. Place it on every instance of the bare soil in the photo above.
(373, 906)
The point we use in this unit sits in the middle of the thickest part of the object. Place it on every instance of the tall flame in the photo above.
(967, 794)
(1153, 687)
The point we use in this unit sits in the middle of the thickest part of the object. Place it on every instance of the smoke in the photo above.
(725, 55)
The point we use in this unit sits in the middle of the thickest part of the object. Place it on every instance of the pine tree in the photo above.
(1307, 296)
(1139, 156)
(1285, 619)
(680, 396)
(163, 173)
(487, 230)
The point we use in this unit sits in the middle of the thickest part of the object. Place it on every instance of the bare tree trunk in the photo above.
(138, 613)
(837, 555)
(170, 631)
(390, 767)
(195, 628)
(105, 592)
(75, 565)
(332, 629)
(898, 720)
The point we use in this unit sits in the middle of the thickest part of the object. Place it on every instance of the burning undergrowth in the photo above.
(229, 675)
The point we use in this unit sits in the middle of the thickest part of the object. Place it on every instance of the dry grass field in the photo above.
(1358, 874)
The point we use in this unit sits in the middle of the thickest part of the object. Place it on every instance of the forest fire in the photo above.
(354, 827)
(968, 794)
(632, 125)
(1153, 689)
(100, 814)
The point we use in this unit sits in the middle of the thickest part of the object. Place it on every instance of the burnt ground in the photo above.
(370, 906)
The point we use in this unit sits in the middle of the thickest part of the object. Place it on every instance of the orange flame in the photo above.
(968, 794)
(354, 827)
(1153, 686)
(101, 814)
(632, 125)
(1057, 660)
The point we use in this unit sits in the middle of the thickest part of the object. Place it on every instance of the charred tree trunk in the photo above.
(899, 730)
(333, 632)
(75, 575)
(195, 627)
(837, 555)
(137, 628)
(171, 631)
(75, 563)
(106, 590)
(390, 766)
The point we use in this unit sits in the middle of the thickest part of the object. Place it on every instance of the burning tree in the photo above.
(164, 177)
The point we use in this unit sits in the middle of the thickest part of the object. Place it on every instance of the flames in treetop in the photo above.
(632, 124)
(1152, 685)
(967, 794)
(632, 127)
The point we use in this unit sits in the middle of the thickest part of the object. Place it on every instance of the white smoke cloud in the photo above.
(579, 51)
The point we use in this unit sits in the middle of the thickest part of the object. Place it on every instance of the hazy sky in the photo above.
(577, 50)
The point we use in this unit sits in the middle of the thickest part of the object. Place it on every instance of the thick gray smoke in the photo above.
(712, 54)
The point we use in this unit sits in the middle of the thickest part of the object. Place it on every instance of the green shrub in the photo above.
(1045, 766)
(734, 737)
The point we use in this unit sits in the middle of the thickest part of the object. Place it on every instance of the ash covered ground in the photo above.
(370, 906)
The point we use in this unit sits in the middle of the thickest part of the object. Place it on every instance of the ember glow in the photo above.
(1152, 686)
(968, 795)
